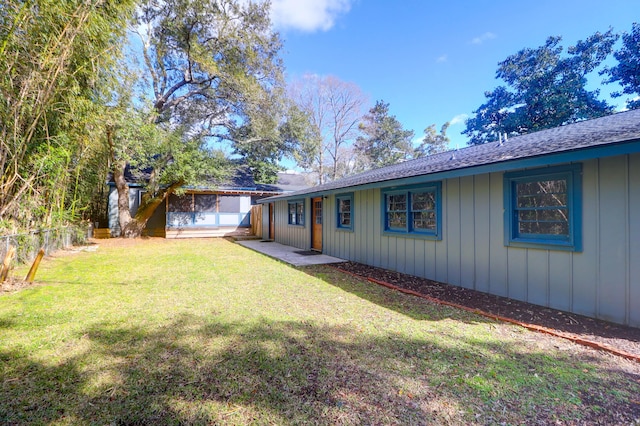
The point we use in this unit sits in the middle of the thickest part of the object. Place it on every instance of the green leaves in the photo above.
(432, 142)
(54, 59)
(627, 71)
(384, 141)
(215, 72)
(544, 89)
(213, 65)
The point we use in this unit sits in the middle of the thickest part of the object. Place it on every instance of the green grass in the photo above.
(207, 332)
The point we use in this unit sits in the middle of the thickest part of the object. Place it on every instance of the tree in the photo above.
(432, 142)
(213, 67)
(54, 55)
(165, 160)
(333, 109)
(384, 141)
(216, 79)
(627, 71)
(544, 89)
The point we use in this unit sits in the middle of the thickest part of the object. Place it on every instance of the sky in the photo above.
(433, 61)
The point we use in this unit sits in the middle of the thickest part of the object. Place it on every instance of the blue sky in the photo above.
(432, 61)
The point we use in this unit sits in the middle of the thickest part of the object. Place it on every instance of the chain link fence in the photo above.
(28, 245)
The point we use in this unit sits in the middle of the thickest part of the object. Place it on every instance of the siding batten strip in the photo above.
(627, 224)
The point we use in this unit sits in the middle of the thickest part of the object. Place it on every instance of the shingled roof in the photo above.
(609, 130)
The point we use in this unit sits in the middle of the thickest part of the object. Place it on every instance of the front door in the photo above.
(272, 225)
(316, 224)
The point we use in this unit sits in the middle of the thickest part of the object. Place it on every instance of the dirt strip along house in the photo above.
(551, 218)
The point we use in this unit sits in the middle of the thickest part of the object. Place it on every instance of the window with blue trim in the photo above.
(344, 203)
(543, 208)
(413, 210)
(296, 213)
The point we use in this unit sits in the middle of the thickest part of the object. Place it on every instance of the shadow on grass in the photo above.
(410, 306)
(566, 322)
(199, 370)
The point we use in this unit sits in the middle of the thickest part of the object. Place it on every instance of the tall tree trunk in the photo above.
(124, 212)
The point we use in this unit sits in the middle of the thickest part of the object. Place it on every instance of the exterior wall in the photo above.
(134, 203)
(265, 221)
(157, 224)
(168, 224)
(291, 235)
(192, 220)
(602, 281)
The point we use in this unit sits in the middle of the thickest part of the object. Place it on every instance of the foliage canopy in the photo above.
(383, 141)
(627, 70)
(544, 89)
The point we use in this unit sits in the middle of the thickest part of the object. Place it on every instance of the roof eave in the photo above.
(548, 159)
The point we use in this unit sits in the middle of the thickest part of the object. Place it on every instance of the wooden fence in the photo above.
(256, 220)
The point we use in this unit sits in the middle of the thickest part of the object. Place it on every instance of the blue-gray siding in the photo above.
(602, 281)
(291, 235)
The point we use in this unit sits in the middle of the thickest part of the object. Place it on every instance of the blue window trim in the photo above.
(408, 230)
(572, 173)
(345, 196)
(299, 221)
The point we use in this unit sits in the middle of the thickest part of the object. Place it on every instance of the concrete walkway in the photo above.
(292, 255)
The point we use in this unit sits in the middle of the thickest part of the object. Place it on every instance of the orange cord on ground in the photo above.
(533, 327)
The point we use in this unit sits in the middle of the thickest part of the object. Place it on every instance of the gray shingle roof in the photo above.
(612, 129)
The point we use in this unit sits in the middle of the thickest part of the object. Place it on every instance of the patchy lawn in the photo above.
(204, 331)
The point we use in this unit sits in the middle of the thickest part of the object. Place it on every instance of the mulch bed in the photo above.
(621, 338)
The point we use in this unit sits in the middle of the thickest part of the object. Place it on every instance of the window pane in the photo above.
(548, 193)
(318, 212)
(542, 200)
(397, 202)
(397, 220)
(205, 203)
(229, 204)
(423, 201)
(541, 207)
(556, 215)
(292, 213)
(546, 228)
(344, 212)
(180, 203)
(300, 213)
(424, 220)
(558, 186)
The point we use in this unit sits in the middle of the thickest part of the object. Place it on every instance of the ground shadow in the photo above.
(617, 335)
(418, 309)
(202, 370)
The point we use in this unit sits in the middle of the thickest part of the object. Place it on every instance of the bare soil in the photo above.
(618, 336)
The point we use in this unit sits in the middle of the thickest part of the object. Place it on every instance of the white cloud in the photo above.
(442, 58)
(484, 37)
(460, 118)
(307, 15)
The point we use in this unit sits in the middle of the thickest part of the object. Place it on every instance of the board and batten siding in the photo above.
(265, 221)
(290, 235)
(602, 281)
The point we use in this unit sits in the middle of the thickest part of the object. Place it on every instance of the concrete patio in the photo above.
(288, 254)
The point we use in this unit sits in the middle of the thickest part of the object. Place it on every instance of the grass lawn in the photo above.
(208, 332)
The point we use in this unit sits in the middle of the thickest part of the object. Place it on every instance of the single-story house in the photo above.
(551, 218)
(206, 211)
